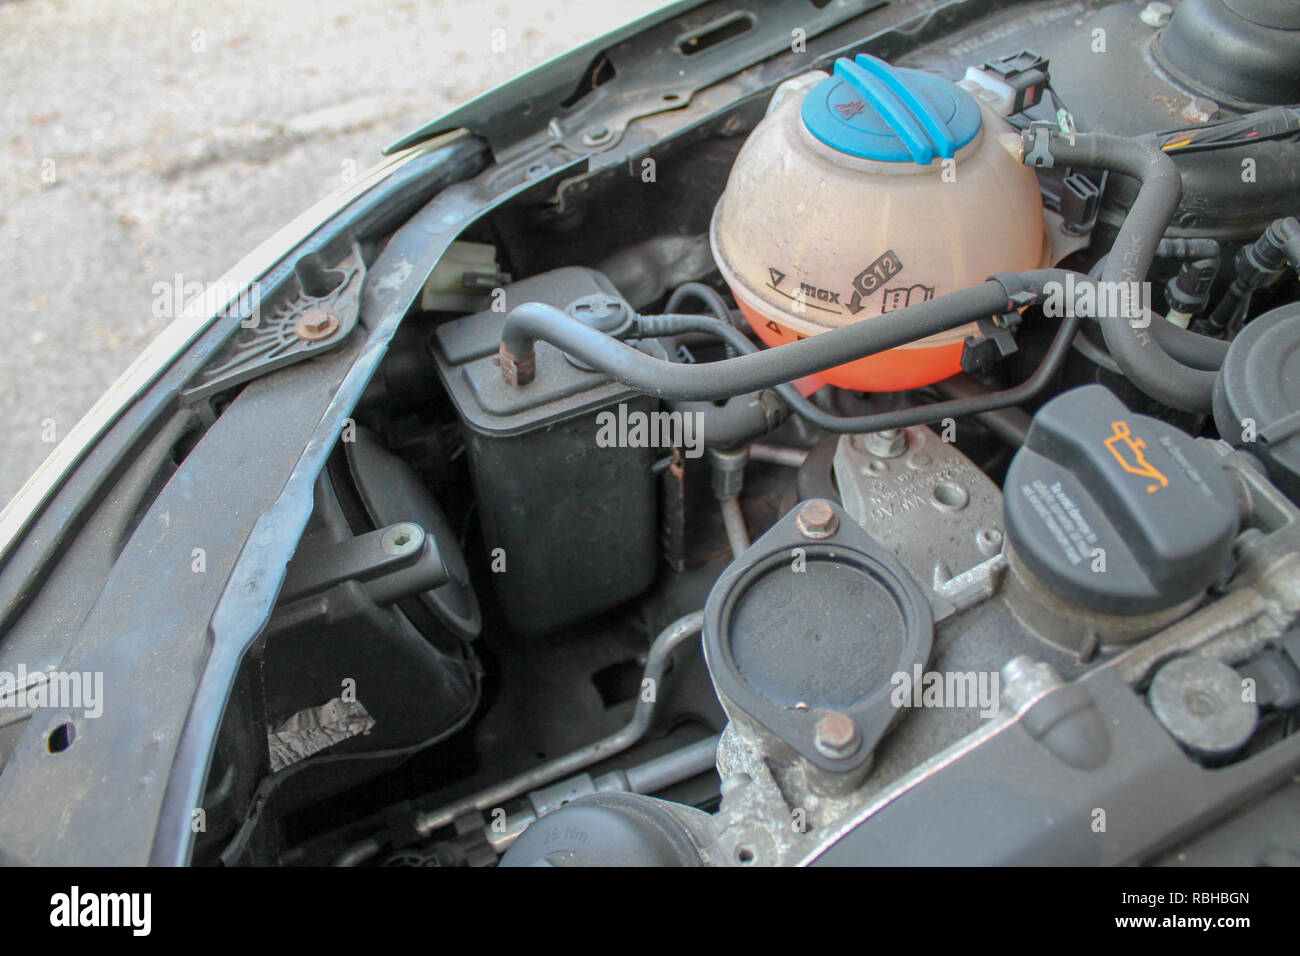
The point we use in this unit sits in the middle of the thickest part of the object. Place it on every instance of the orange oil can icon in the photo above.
(1128, 451)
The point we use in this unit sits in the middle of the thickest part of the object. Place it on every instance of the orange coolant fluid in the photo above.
(865, 192)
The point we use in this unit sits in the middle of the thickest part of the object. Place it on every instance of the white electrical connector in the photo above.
(984, 86)
(445, 290)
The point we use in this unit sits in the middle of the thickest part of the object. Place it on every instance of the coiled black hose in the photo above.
(1138, 352)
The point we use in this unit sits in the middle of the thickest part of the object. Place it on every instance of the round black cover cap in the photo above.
(1257, 396)
(1115, 512)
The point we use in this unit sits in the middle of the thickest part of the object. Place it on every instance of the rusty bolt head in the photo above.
(516, 371)
(816, 519)
(317, 324)
(1200, 110)
(837, 736)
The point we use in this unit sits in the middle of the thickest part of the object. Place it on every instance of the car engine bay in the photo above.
(897, 463)
(999, 569)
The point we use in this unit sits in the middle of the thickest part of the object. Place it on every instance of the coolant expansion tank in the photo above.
(866, 191)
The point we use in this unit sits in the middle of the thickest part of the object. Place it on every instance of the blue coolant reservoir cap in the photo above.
(872, 110)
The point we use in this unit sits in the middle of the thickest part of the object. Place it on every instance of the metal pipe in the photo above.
(673, 767)
(1009, 424)
(647, 778)
(733, 519)
(656, 661)
(778, 454)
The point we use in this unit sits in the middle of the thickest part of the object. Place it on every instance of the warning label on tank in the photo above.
(805, 295)
(873, 277)
(904, 296)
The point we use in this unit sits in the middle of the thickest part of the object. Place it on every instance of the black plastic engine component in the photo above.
(1026, 73)
(1078, 200)
(1258, 264)
(813, 621)
(414, 692)
(391, 492)
(1257, 398)
(1115, 512)
(545, 485)
(1276, 673)
(1238, 175)
(607, 829)
(1200, 702)
(1246, 52)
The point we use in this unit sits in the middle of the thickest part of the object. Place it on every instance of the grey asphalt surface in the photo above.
(141, 140)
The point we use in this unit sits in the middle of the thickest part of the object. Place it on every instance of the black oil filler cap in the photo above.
(1257, 395)
(1115, 512)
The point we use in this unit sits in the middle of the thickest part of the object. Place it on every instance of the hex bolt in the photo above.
(837, 736)
(317, 324)
(816, 519)
(888, 443)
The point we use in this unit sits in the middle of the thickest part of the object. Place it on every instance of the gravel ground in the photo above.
(142, 140)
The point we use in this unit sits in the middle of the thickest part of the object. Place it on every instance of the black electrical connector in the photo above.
(1258, 264)
(1026, 73)
(1188, 291)
(996, 340)
(1078, 203)
(994, 343)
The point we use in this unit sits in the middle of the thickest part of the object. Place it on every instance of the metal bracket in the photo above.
(314, 320)
(391, 563)
(1039, 134)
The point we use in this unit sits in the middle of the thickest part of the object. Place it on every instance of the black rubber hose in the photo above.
(1257, 264)
(1009, 424)
(739, 420)
(711, 299)
(706, 294)
(896, 418)
(653, 326)
(1138, 353)
(1192, 349)
(1290, 233)
(757, 370)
